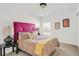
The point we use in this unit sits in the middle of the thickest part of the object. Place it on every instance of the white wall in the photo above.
(78, 29)
(77, 13)
(66, 35)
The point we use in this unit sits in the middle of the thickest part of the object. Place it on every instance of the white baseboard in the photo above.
(70, 44)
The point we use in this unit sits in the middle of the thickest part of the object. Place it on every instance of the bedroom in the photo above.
(48, 18)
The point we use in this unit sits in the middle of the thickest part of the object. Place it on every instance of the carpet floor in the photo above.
(63, 50)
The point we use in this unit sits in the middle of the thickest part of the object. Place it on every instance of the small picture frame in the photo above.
(57, 25)
(66, 22)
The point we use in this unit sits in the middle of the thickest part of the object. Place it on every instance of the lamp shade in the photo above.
(6, 31)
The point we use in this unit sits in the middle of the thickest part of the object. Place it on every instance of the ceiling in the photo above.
(35, 9)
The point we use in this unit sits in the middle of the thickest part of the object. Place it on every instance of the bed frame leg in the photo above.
(17, 48)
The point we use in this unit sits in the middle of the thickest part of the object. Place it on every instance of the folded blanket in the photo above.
(40, 46)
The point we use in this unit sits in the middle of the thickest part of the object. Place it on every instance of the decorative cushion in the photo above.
(28, 35)
(33, 35)
(24, 35)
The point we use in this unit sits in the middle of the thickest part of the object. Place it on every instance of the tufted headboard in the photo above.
(22, 27)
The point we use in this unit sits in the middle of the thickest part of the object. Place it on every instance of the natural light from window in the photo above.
(46, 28)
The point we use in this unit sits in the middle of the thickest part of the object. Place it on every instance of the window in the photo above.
(46, 28)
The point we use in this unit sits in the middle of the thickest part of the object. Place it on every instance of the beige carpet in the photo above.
(63, 50)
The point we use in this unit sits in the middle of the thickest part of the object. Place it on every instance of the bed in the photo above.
(33, 44)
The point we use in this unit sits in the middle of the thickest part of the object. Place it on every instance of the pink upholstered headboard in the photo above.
(22, 27)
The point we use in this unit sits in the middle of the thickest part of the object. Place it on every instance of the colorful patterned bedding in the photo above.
(39, 46)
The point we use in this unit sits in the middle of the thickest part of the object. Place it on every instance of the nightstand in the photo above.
(7, 46)
(0, 50)
(3, 46)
